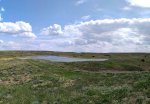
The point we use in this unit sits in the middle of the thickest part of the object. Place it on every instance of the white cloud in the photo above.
(140, 3)
(19, 28)
(127, 8)
(52, 30)
(86, 17)
(1, 41)
(28, 35)
(79, 2)
(2, 9)
(10, 45)
(108, 35)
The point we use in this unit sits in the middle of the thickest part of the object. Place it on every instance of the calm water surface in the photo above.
(64, 59)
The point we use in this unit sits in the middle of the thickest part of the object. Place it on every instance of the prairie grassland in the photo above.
(124, 79)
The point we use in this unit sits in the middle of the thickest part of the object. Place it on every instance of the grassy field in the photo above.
(123, 79)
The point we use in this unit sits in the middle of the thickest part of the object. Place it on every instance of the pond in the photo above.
(63, 59)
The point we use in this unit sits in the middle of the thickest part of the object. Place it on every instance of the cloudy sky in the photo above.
(75, 25)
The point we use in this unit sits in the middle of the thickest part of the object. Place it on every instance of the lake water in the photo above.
(63, 59)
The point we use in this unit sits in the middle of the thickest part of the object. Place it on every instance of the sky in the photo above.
(75, 25)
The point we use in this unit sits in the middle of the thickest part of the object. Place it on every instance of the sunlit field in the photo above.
(123, 79)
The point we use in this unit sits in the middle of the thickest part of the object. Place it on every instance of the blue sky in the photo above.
(75, 25)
